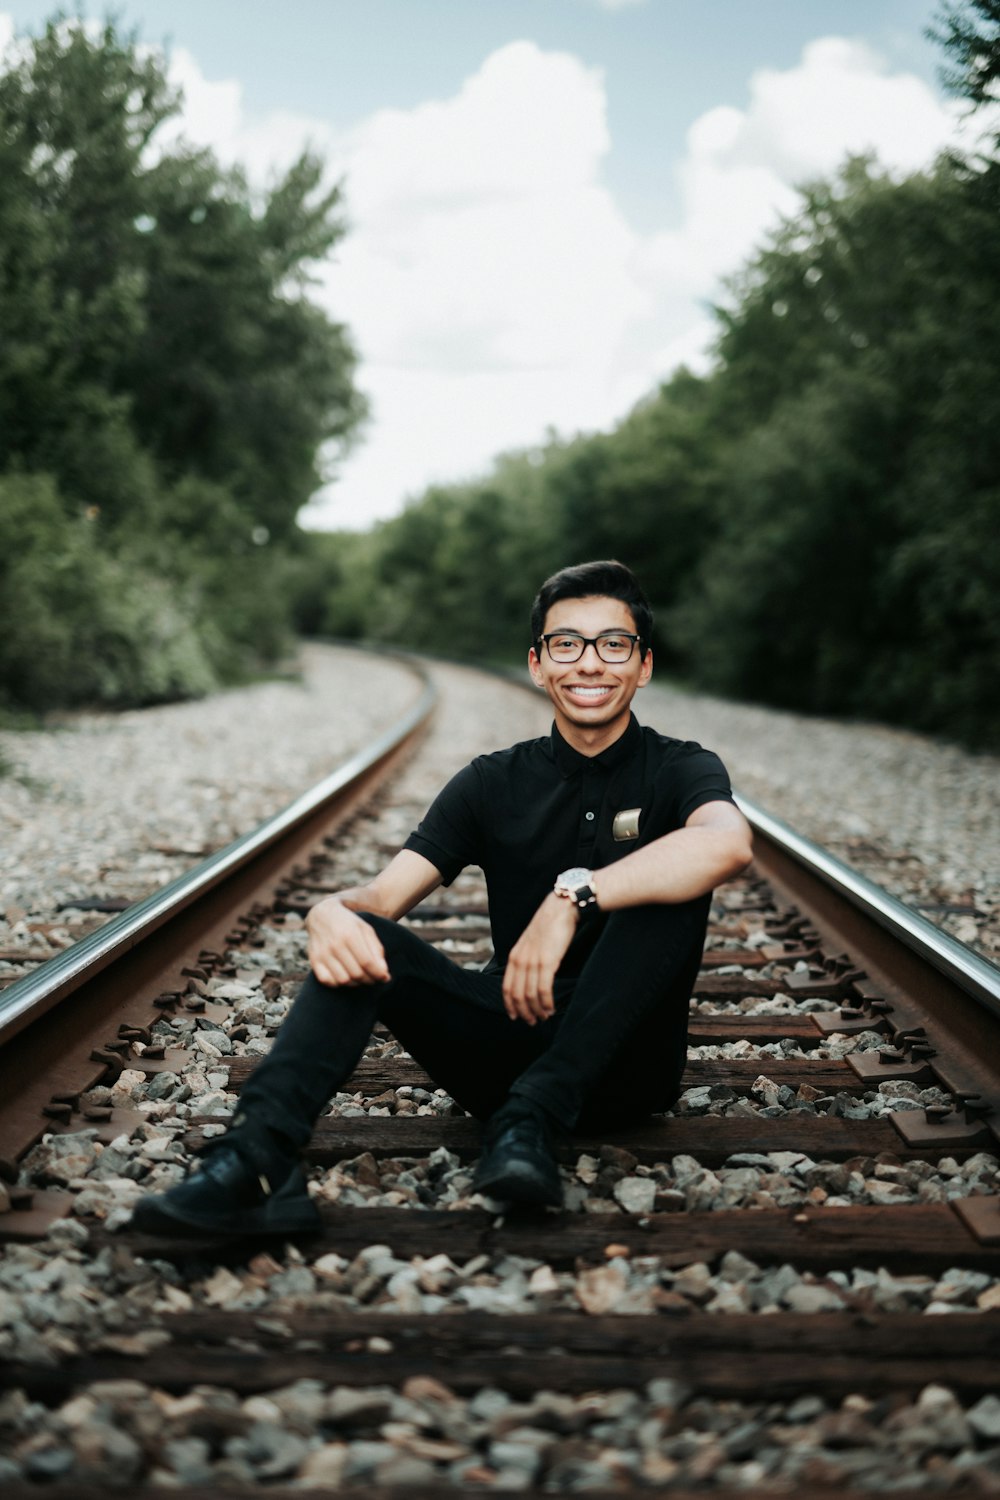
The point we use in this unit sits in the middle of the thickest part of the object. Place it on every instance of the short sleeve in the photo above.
(450, 832)
(699, 777)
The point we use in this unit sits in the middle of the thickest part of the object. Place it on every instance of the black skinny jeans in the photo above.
(613, 1052)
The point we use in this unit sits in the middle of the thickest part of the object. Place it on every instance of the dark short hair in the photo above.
(609, 579)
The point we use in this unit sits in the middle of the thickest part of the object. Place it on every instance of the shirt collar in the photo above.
(570, 761)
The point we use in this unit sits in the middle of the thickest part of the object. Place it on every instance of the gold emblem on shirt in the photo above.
(626, 824)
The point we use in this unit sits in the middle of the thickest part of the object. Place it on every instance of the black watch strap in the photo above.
(577, 886)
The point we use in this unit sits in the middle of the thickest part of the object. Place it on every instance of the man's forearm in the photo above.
(361, 898)
(407, 879)
(678, 867)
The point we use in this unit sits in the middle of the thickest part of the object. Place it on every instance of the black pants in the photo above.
(613, 1051)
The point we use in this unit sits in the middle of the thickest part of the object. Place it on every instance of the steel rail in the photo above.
(972, 973)
(24, 1001)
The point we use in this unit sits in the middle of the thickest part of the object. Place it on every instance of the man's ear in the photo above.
(535, 667)
(646, 671)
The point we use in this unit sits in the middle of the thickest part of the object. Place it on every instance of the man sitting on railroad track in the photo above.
(600, 845)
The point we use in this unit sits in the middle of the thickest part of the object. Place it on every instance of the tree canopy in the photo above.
(167, 387)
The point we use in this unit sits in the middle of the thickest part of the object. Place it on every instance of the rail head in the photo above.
(967, 969)
(28, 998)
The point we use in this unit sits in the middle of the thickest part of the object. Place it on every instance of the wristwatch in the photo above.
(577, 885)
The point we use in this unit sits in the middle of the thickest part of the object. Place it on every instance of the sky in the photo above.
(544, 197)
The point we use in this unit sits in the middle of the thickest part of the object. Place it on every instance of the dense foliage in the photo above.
(816, 519)
(165, 385)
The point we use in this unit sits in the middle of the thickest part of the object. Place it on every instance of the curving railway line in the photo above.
(792, 1282)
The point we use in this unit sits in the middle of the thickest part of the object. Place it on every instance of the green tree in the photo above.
(75, 118)
(970, 35)
(165, 377)
(859, 364)
(239, 377)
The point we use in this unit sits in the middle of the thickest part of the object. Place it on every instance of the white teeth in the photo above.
(590, 692)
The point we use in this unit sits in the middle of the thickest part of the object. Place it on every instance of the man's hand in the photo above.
(534, 959)
(343, 948)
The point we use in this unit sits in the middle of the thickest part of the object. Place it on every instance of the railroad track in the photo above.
(735, 1297)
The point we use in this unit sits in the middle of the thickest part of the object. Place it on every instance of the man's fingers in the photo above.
(330, 971)
(527, 992)
(512, 995)
(361, 962)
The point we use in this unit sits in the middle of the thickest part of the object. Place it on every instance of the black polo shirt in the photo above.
(527, 813)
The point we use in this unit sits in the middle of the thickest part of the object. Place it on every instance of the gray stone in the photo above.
(732, 1297)
(358, 1407)
(665, 1391)
(364, 1458)
(162, 1085)
(48, 1464)
(696, 1101)
(297, 1281)
(684, 1167)
(805, 1298)
(636, 1195)
(68, 1233)
(285, 1451)
(189, 1458)
(960, 1285)
(805, 1408)
(770, 1287)
(984, 1418)
(405, 1468)
(525, 1457)
(736, 1268)
(488, 1403)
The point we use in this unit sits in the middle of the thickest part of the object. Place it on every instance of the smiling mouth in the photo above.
(594, 694)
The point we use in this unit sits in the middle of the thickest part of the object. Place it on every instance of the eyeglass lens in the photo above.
(567, 647)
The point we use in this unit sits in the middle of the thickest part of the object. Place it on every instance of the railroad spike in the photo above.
(976, 1106)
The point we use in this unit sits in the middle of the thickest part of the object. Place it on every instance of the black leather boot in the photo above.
(517, 1163)
(245, 1185)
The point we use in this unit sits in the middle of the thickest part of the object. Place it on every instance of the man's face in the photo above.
(590, 694)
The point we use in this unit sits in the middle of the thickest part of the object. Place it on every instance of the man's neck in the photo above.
(591, 742)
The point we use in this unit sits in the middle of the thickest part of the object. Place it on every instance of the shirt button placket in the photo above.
(589, 800)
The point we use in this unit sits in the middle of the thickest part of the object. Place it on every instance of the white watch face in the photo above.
(577, 876)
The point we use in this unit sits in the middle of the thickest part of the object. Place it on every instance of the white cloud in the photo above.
(488, 275)
(490, 279)
(741, 167)
(840, 98)
(213, 108)
(483, 237)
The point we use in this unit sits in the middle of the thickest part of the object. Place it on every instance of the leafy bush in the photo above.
(78, 625)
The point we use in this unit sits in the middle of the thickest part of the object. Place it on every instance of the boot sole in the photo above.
(295, 1216)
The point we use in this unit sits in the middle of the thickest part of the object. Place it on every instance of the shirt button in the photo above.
(589, 817)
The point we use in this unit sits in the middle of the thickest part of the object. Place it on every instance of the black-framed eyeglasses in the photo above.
(612, 646)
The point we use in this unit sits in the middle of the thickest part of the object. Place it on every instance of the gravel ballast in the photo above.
(105, 805)
(917, 816)
(80, 1291)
